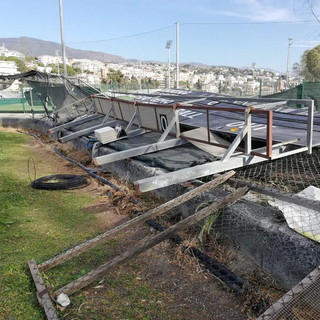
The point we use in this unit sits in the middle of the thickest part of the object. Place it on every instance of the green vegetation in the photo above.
(71, 71)
(37, 224)
(34, 224)
(309, 65)
(128, 297)
(116, 80)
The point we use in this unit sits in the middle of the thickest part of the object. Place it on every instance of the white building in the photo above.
(4, 52)
(8, 67)
(46, 59)
(89, 65)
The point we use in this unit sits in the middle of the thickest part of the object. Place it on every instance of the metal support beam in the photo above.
(310, 126)
(234, 145)
(248, 141)
(121, 155)
(135, 116)
(170, 126)
(183, 175)
(75, 122)
(86, 131)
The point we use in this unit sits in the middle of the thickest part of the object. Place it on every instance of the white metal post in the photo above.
(62, 39)
(169, 77)
(310, 126)
(177, 54)
(288, 62)
(168, 46)
(248, 146)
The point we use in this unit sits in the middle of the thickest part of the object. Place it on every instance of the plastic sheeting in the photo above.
(301, 219)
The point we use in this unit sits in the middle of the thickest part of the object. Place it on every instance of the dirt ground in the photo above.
(187, 291)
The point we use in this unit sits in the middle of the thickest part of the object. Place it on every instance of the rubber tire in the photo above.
(63, 182)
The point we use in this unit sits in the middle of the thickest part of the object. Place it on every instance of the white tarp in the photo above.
(301, 219)
(202, 134)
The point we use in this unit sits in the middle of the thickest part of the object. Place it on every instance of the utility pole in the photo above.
(62, 39)
(168, 46)
(177, 55)
(288, 62)
(58, 62)
(253, 64)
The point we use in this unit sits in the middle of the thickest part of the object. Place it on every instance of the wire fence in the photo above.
(259, 248)
(285, 240)
(301, 302)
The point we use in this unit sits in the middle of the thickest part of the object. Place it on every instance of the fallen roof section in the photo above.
(280, 133)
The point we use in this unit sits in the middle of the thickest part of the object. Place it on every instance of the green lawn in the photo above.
(34, 224)
(38, 224)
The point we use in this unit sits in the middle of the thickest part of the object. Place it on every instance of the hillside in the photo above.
(36, 47)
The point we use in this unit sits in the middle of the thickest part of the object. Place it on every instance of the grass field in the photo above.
(34, 224)
(38, 224)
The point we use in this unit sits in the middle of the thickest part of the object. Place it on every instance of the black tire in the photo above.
(60, 182)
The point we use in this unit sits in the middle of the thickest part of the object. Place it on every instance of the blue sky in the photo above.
(215, 32)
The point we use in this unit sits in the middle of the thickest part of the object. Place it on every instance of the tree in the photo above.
(309, 66)
(115, 76)
(198, 85)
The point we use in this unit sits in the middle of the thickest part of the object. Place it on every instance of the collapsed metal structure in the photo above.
(66, 96)
(236, 131)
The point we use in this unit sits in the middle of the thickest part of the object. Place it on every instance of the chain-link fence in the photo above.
(259, 247)
(281, 233)
(301, 302)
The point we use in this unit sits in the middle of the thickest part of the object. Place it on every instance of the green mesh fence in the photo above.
(20, 105)
(306, 90)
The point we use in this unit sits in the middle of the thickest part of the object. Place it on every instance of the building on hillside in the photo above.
(46, 59)
(4, 52)
(8, 67)
(88, 65)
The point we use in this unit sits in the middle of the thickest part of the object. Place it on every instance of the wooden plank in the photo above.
(42, 294)
(77, 250)
(87, 279)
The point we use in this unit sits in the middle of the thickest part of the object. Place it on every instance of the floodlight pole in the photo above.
(177, 54)
(62, 39)
(288, 62)
(168, 46)
(169, 76)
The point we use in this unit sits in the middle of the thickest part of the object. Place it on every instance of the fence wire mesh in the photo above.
(285, 242)
(292, 174)
(302, 302)
(259, 248)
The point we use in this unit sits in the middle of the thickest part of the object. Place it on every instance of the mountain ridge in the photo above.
(36, 47)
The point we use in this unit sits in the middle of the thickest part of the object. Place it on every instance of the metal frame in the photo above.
(75, 122)
(85, 131)
(106, 123)
(161, 144)
(230, 159)
(275, 311)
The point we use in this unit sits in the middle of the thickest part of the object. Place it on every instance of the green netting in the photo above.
(11, 101)
(306, 90)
